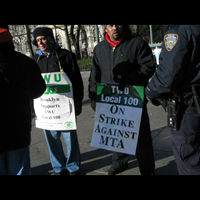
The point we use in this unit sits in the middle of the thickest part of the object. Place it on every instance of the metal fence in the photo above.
(85, 64)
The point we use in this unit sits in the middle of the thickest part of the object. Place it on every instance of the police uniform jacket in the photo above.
(67, 59)
(179, 63)
(130, 62)
(20, 82)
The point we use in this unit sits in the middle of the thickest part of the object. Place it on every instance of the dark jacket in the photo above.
(20, 82)
(70, 67)
(179, 63)
(131, 62)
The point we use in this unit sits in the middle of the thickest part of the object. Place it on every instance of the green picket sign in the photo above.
(131, 96)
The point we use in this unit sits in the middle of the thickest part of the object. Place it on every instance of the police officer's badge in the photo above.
(170, 41)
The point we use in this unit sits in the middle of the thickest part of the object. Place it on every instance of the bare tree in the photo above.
(67, 37)
(28, 34)
(84, 42)
(75, 39)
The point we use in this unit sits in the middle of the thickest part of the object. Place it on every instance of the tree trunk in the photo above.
(67, 38)
(29, 40)
(75, 40)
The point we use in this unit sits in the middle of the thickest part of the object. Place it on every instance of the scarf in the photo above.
(114, 44)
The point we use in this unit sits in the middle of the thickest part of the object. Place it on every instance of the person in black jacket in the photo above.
(52, 58)
(177, 80)
(20, 82)
(126, 60)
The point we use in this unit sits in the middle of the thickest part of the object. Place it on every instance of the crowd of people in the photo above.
(120, 58)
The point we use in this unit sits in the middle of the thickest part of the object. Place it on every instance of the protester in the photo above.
(176, 85)
(52, 58)
(20, 82)
(127, 60)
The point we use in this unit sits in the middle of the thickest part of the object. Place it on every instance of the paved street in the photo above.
(96, 161)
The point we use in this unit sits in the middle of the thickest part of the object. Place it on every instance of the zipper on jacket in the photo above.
(113, 64)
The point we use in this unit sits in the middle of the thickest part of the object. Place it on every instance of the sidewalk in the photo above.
(97, 161)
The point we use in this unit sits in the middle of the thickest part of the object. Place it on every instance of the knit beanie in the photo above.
(5, 35)
(43, 31)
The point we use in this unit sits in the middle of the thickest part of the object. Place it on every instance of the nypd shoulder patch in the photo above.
(170, 41)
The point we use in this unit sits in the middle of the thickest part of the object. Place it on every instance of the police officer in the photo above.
(178, 78)
(124, 59)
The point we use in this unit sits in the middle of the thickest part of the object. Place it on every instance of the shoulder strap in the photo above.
(61, 69)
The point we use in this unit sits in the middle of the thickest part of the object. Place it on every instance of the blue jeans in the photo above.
(15, 162)
(57, 157)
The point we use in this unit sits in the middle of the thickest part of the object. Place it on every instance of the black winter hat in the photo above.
(43, 31)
